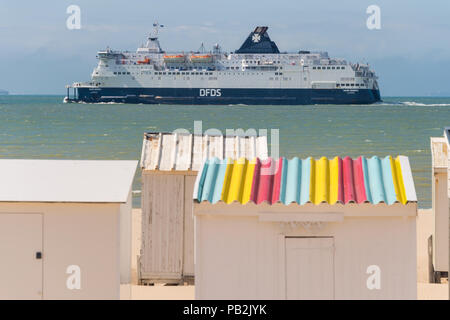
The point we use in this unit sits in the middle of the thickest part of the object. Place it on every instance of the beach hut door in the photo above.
(21, 256)
(309, 268)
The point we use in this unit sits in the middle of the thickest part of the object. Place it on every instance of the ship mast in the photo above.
(156, 27)
(152, 44)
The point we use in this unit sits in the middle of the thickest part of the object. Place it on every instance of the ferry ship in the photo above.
(255, 74)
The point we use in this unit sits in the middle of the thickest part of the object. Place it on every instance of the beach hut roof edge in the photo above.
(68, 181)
(164, 151)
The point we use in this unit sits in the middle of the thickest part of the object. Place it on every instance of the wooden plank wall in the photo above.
(167, 252)
(162, 226)
(188, 265)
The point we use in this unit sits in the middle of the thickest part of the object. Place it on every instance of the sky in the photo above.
(410, 53)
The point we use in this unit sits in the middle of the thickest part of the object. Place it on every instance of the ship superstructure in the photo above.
(256, 73)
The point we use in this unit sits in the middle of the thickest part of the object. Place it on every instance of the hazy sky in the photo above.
(410, 54)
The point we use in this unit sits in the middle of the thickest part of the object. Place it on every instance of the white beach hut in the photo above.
(65, 228)
(170, 163)
(440, 199)
(305, 229)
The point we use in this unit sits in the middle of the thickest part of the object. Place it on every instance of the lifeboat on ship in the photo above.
(175, 58)
(201, 58)
(145, 61)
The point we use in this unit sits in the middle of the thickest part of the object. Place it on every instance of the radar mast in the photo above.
(152, 44)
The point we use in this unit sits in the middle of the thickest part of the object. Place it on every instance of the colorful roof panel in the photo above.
(339, 180)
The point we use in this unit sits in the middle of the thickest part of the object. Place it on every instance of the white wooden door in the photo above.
(20, 264)
(309, 268)
(162, 227)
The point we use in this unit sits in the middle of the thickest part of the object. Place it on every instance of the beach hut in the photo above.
(170, 162)
(65, 228)
(305, 229)
(440, 202)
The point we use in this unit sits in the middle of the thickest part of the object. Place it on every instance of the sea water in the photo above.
(43, 127)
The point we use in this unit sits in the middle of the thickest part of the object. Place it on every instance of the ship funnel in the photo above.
(258, 41)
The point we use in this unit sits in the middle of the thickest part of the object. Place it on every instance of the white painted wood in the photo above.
(440, 211)
(20, 271)
(251, 148)
(197, 152)
(174, 151)
(281, 267)
(158, 152)
(215, 146)
(408, 182)
(82, 234)
(125, 235)
(241, 146)
(261, 147)
(238, 256)
(237, 264)
(309, 268)
(86, 222)
(205, 148)
(162, 226)
(171, 163)
(349, 210)
(440, 203)
(288, 217)
(143, 162)
(167, 152)
(183, 153)
(230, 149)
(188, 258)
(439, 153)
(66, 180)
(178, 151)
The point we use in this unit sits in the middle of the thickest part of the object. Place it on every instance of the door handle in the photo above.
(38, 255)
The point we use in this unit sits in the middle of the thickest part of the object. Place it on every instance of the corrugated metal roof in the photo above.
(66, 180)
(362, 180)
(181, 152)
